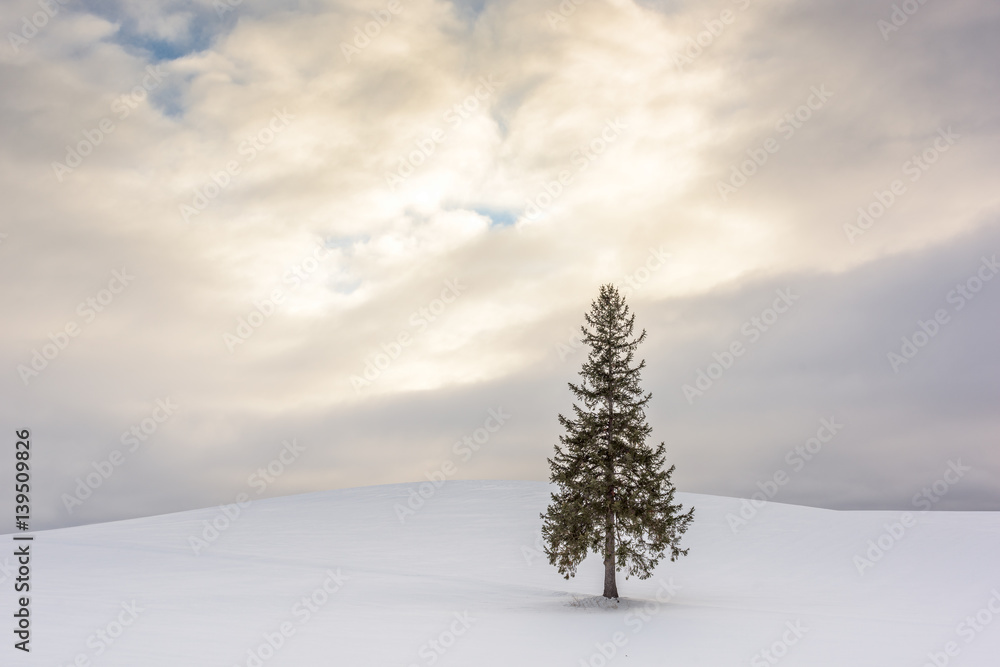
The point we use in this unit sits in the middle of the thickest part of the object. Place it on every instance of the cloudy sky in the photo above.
(358, 227)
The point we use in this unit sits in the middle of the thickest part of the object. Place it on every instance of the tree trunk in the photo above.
(610, 585)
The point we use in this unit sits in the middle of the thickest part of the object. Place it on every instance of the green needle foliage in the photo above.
(614, 497)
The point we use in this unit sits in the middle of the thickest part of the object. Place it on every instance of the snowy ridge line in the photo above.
(332, 494)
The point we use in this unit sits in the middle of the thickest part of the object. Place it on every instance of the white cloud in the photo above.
(322, 177)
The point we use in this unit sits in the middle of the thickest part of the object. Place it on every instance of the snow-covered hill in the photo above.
(336, 578)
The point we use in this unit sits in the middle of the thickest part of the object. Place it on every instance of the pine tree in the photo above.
(614, 497)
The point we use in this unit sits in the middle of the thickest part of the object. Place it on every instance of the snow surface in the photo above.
(464, 572)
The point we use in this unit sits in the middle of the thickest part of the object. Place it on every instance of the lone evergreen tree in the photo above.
(614, 497)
